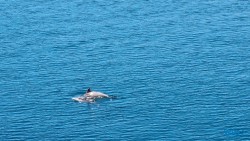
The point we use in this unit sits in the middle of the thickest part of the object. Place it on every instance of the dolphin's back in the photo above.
(94, 94)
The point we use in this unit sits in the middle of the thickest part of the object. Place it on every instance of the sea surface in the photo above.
(180, 70)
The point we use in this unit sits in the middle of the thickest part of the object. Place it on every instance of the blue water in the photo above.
(180, 69)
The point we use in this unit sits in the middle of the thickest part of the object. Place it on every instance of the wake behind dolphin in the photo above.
(91, 96)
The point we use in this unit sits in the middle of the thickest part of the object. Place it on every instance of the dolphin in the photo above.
(90, 96)
(93, 94)
(82, 99)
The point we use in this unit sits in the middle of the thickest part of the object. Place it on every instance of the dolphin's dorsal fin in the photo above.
(88, 90)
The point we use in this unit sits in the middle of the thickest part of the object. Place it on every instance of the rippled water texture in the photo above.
(179, 69)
